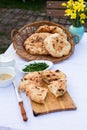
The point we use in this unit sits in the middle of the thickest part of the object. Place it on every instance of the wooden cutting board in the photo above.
(53, 104)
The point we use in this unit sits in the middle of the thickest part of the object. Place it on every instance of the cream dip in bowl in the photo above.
(7, 75)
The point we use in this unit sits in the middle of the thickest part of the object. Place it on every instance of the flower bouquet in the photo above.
(77, 11)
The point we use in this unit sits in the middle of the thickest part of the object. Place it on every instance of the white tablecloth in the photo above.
(76, 70)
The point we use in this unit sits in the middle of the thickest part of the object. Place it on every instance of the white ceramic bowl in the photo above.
(49, 63)
(7, 60)
(7, 70)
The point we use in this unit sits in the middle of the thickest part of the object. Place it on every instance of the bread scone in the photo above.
(58, 88)
(52, 75)
(36, 94)
(43, 28)
(23, 84)
(35, 44)
(33, 84)
(57, 46)
(56, 81)
(34, 77)
(52, 30)
(30, 78)
(60, 31)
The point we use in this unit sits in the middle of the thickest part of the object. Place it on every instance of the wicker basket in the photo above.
(19, 36)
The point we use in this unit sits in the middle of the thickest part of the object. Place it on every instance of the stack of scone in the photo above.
(48, 40)
(37, 84)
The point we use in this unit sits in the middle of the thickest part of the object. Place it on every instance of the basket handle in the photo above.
(13, 33)
(76, 39)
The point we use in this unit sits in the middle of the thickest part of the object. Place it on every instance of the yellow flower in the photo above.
(63, 4)
(81, 1)
(82, 21)
(82, 16)
(73, 16)
(69, 3)
(80, 7)
(68, 12)
(77, 11)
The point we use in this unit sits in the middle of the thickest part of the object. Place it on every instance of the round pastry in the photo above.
(34, 84)
(57, 46)
(60, 31)
(30, 78)
(50, 75)
(56, 81)
(52, 30)
(44, 28)
(35, 44)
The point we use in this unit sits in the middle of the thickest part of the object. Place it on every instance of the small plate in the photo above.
(49, 63)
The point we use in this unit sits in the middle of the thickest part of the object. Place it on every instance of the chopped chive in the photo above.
(35, 67)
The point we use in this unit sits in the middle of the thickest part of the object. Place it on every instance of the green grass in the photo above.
(29, 4)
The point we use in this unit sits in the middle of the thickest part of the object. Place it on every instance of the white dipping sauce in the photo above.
(5, 76)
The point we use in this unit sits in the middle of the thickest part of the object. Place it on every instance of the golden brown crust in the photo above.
(23, 84)
(56, 81)
(33, 84)
(30, 78)
(52, 29)
(36, 94)
(35, 44)
(57, 46)
(51, 75)
(58, 88)
(44, 28)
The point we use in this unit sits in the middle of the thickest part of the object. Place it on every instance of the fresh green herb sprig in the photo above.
(35, 67)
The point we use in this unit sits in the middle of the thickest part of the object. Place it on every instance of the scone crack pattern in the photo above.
(36, 85)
